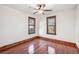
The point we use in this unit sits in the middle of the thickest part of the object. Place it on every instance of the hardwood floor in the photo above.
(40, 46)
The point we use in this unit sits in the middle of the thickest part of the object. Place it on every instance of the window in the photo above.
(51, 25)
(31, 25)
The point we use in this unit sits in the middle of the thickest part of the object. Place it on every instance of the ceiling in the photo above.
(28, 8)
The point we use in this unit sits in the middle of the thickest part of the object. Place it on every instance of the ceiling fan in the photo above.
(40, 8)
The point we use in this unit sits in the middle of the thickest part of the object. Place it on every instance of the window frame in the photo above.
(33, 25)
(54, 26)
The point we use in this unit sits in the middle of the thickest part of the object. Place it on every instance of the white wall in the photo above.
(13, 26)
(77, 26)
(64, 26)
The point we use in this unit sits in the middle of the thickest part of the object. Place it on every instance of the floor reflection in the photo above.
(40, 47)
(31, 49)
(51, 50)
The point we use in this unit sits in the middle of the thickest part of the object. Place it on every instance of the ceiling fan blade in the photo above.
(35, 12)
(47, 10)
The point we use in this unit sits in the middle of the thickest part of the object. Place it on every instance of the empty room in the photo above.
(39, 29)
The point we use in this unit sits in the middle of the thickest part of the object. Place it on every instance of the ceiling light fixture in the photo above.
(40, 11)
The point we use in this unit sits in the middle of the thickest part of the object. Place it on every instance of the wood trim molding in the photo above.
(36, 37)
(60, 42)
(17, 43)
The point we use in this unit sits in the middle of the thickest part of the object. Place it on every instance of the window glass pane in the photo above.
(31, 22)
(51, 21)
(51, 29)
